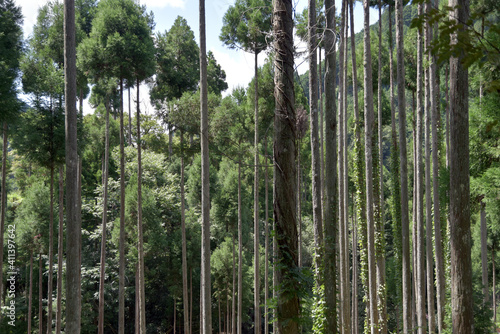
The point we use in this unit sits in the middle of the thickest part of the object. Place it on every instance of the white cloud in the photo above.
(30, 12)
(164, 3)
(238, 65)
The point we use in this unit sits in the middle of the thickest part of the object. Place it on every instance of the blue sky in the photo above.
(238, 65)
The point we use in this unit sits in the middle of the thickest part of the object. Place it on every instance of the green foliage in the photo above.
(216, 76)
(177, 56)
(247, 25)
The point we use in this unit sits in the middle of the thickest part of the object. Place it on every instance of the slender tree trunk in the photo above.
(60, 249)
(438, 243)
(256, 242)
(137, 321)
(73, 203)
(3, 205)
(404, 170)
(484, 255)
(240, 254)
(233, 311)
(369, 114)
(420, 243)
(460, 234)
(331, 186)
(104, 223)
(447, 128)
(494, 284)
(129, 118)
(191, 300)
(140, 246)
(205, 190)
(379, 200)
(354, 322)
(30, 295)
(315, 157)
(266, 222)
(428, 192)
(341, 199)
(321, 129)
(175, 314)
(285, 217)
(40, 295)
(121, 271)
(299, 201)
(185, 296)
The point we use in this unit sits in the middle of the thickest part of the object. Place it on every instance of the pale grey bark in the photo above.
(40, 295)
(205, 183)
(233, 311)
(51, 252)
(60, 250)
(266, 224)
(3, 205)
(256, 243)
(30, 293)
(185, 297)
(73, 202)
(484, 255)
(315, 154)
(369, 123)
(419, 249)
(103, 226)
(121, 246)
(240, 255)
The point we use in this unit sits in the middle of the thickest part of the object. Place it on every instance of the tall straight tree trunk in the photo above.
(60, 250)
(30, 294)
(266, 222)
(347, 302)
(140, 245)
(51, 252)
(395, 179)
(331, 186)
(121, 270)
(129, 118)
(285, 208)
(428, 192)
(40, 295)
(369, 114)
(256, 243)
(3, 205)
(321, 129)
(379, 199)
(420, 243)
(493, 270)
(240, 254)
(104, 223)
(185, 297)
(205, 188)
(460, 234)
(354, 312)
(299, 201)
(73, 203)
(405, 225)
(340, 147)
(438, 240)
(233, 311)
(484, 254)
(315, 157)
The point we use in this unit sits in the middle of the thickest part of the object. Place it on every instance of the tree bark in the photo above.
(3, 205)
(420, 243)
(60, 250)
(460, 234)
(331, 186)
(404, 170)
(129, 119)
(484, 255)
(240, 254)
(369, 114)
(121, 270)
(140, 244)
(428, 192)
(285, 214)
(185, 296)
(233, 311)
(40, 295)
(30, 295)
(104, 223)
(205, 190)
(266, 222)
(315, 156)
(256, 242)
(73, 203)
(493, 270)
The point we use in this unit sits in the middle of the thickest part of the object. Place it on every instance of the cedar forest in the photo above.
(360, 197)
